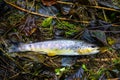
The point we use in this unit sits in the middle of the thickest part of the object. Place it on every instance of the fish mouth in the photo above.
(95, 50)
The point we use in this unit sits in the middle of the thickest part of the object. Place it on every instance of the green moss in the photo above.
(47, 22)
(69, 28)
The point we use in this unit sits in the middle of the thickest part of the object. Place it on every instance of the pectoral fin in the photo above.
(51, 53)
(84, 51)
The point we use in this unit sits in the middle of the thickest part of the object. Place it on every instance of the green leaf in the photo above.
(62, 69)
(59, 71)
(47, 22)
(84, 67)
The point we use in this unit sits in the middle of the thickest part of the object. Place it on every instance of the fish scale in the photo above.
(58, 47)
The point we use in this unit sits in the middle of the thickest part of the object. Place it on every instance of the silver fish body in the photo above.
(58, 47)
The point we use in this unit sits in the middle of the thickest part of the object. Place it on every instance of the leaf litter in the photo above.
(86, 20)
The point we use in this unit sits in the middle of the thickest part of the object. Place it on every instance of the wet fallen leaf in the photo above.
(96, 32)
(59, 33)
(68, 61)
(87, 36)
(29, 27)
(116, 46)
(78, 75)
(100, 35)
(48, 10)
(29, 30)
(99, 25)
(108, 3)
(111, 40)
(65, 9)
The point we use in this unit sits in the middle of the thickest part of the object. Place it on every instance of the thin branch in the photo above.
(66, 19)
(63, 2)
(105, 8)
(98, 7)
(38, 14)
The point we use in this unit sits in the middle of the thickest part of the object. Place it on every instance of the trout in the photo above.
(58, 47)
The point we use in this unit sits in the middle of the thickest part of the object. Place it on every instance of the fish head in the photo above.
(88, 49)
(93, 50)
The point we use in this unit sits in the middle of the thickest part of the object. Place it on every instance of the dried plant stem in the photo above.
(6, 54)
(38, 14)
(98, 7)
(63, 2)
(104, 8)
(66, 19)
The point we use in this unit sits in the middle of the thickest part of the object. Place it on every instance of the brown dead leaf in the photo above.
(48, 2)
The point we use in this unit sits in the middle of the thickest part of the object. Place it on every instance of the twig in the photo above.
(115, 25)
(38, 14)
(6, 54)
(104, 14)
(105, 8)
(62, 2)
(104, 59)
(66, 19)
(14, 76)
(113, 79)
(98, 7)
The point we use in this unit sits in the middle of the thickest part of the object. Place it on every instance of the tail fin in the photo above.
(14, 47)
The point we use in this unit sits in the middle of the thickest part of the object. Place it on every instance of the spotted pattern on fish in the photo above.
(58, 47)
